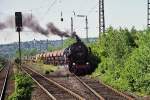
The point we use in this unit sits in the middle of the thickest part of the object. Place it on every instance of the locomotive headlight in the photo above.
(74, 64)
(87, 63)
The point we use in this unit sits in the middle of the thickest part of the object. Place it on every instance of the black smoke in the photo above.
(33, 24)
(2, 26)
(51, 28)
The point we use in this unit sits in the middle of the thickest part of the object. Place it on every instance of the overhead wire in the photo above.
(89, 12)
(92, 9)
(51, 5)
(42, 6)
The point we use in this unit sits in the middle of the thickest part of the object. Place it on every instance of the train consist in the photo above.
(77, 56)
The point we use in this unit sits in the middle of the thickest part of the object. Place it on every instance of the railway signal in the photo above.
(61, 19)
(18, 22)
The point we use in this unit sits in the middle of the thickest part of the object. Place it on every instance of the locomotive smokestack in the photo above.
(74, 35)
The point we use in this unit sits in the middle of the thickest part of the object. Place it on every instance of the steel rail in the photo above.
(58, 85)
(2, 68)
(42, 87)
(120, 93)
(92, 90)
(97, 94)
(2, 95)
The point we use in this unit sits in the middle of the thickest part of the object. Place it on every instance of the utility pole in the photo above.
(86, 27)
(62, 41)
(71, 25)
(61, 19)
(47, 44)
(19, 47)
(40, 46)
(34, 43)
(101, 17)
(148, 13)
(86, 22)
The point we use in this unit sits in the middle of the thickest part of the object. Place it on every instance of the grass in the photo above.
(45, 69)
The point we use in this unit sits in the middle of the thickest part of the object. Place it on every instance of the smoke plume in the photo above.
(2, 26)
(31, 23)
(56, 31)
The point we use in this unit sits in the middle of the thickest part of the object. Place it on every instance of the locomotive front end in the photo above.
(78, 56)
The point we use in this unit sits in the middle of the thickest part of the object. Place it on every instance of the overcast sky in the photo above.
(118, 13)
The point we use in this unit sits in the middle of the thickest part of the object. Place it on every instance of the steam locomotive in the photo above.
(77, 56)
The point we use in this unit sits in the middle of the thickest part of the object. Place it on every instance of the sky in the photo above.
(118, 13)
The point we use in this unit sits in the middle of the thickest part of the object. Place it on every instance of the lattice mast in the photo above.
(148, 13)
(101, 17)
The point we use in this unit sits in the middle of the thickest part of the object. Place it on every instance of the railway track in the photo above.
(4, 72)
(72, 83)
(52, 88)
(89, 89)
(2, 68)
(105, 91)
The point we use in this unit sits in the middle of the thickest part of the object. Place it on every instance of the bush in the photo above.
(2, 61)
(23, 88)
(125, 59)
(137, 69)
(46, 72)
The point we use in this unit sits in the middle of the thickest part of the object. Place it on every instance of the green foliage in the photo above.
(66, 43)
(24, 52)
(17, 61)
(52, 48)
(45, 69)
(125, 59)
(137, 67)
(32, 52)
(113, 48)
(23, 88)
(2, 61)
(47, 72)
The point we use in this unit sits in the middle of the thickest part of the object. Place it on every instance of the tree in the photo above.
(25, 52)
(68, 42)
(137, 69)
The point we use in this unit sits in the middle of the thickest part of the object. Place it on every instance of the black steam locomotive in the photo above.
(80, 58)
